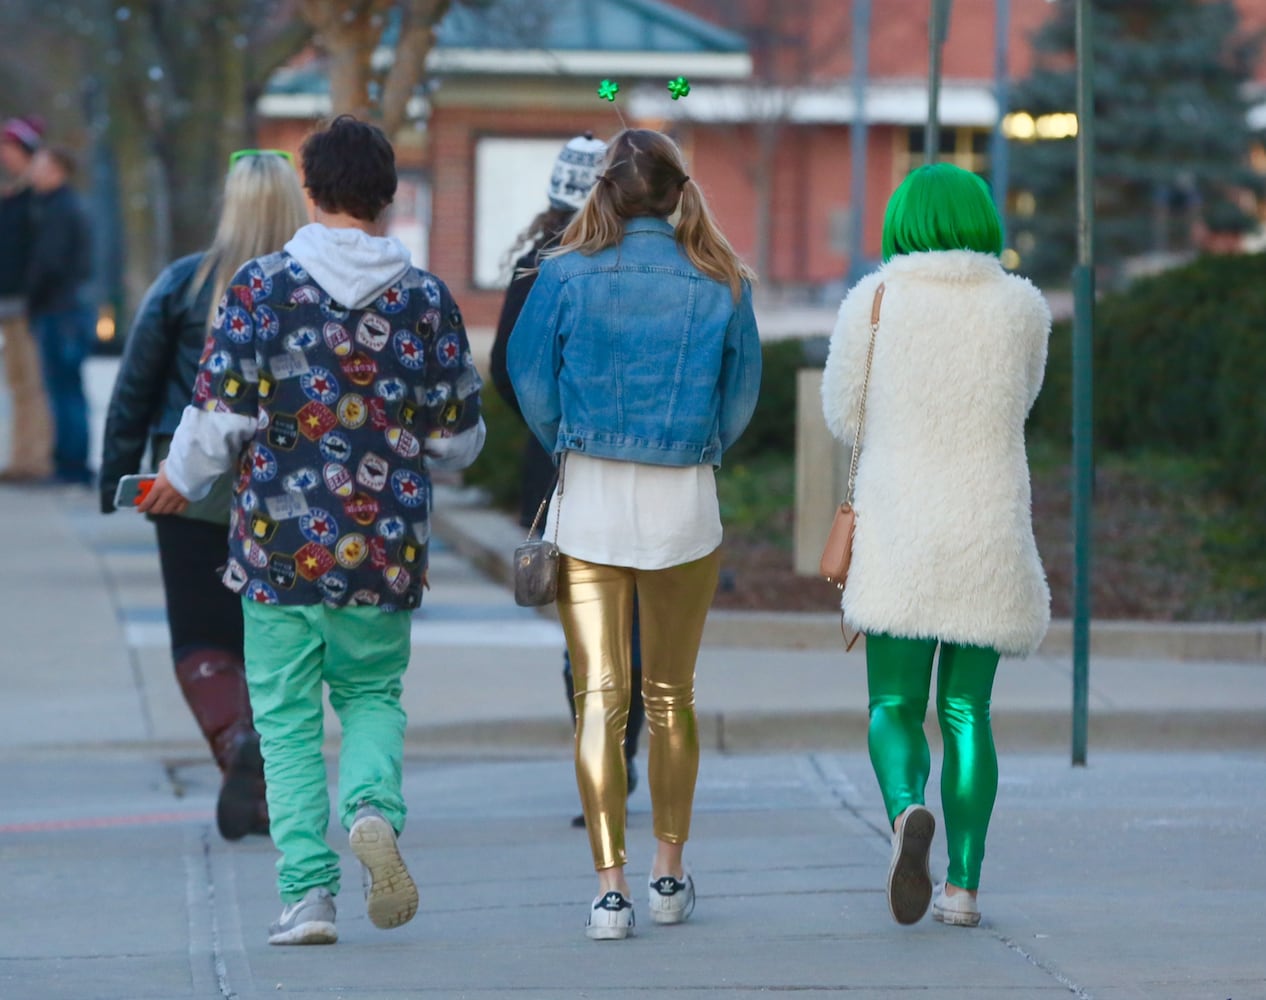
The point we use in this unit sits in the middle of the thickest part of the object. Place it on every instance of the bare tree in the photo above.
(169, 88)
(350, 32)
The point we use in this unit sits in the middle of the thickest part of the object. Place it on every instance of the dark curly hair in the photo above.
(350, 168)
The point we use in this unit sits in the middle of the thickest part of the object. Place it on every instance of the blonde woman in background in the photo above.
(263, 206)
(636, 362)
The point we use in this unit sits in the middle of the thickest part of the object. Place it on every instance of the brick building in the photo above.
(767, 126)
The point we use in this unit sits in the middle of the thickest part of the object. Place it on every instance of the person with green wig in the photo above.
(946, 351)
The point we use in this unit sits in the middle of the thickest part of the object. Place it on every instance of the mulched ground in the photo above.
(1150, 561)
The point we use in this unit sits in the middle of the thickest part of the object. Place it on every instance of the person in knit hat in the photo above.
(575, 172)
(31, 428)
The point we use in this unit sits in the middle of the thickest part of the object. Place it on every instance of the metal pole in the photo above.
(999, 152)
(857, 140)
(938, 29)
(1083, 414)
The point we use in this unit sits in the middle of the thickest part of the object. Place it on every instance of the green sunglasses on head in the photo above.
(243, 153)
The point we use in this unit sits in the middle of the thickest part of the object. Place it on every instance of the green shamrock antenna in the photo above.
(608, 89)
(679, 87)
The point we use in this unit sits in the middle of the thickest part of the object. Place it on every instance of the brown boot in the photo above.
(213, 682)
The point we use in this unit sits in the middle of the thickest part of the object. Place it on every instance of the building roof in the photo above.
(626, 38)
(582, 25)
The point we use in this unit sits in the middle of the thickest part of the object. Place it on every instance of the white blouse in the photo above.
(635, 515)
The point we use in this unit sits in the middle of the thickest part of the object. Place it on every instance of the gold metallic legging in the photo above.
(595, 605)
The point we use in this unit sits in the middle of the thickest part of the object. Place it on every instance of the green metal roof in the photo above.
(588, 25)
(561, 26)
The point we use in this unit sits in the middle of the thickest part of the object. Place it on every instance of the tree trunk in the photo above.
(417, 37)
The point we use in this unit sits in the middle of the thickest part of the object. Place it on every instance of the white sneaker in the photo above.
(310, 920)
(391, 897)
(610, 918)
(672, 900)
(909, 881)
(960, 909)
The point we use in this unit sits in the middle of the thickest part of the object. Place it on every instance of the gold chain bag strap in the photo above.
(536, 560)
(837, 554)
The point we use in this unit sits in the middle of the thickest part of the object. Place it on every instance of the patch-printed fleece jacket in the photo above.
(336, 374)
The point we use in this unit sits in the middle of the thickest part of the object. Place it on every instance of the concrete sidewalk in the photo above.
(1139, 876)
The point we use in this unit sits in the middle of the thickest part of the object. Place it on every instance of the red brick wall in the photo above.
(454, 132)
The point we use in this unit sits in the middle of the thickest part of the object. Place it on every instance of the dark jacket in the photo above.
(156, 373)
(538, 464)
(15, 243)
(61, 252)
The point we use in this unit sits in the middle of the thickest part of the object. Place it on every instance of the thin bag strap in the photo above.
(861, 402)
(540, 511)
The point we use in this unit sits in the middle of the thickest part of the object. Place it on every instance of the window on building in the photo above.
(511, 185)
(964, 146)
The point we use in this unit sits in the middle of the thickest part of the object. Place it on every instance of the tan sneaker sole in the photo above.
(392, 899)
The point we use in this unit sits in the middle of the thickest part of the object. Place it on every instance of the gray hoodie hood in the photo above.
(353, 267)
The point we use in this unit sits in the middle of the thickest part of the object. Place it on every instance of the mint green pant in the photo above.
(899, 675)
(361, 653)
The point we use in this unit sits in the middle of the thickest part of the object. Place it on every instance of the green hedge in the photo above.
(1180, 368)
(498, 469)
(773, 427)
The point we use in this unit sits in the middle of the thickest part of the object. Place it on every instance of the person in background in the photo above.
(263, 206)
(943, 554)
(336, 376)
(63, 319)
(31, 429)
(574, 173)
(636, 359)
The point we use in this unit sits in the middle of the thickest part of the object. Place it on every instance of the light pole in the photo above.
(1083, 413)
(857, 139)
(938, 30)
(999, 162)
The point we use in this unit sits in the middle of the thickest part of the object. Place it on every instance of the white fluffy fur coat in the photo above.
(944, 546)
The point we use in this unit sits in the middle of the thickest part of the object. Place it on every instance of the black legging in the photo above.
(201, 612)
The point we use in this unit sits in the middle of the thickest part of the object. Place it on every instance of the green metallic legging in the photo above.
(899, 674)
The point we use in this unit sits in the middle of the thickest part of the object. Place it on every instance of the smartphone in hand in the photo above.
(133, 490)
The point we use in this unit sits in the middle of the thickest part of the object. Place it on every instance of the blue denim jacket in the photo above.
(634, 354)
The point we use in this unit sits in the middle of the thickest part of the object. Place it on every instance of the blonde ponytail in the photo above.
(705, 245)
(645, 174)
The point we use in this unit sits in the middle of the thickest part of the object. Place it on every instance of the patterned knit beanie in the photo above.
(575, 172)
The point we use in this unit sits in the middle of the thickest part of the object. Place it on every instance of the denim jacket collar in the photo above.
(648, 224)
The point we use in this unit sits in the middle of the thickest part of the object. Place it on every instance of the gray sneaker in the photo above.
(390, 894)
(309, 921)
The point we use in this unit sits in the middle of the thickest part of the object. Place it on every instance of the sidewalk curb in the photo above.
(1015, 731)
(487, 538)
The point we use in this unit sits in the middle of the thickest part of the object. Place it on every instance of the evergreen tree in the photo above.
(1171, 135)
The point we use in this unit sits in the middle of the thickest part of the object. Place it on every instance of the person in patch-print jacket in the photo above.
(336, 375)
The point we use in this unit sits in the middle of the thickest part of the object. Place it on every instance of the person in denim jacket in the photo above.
(636, 362)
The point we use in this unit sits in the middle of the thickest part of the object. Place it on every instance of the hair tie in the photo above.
(682, 183)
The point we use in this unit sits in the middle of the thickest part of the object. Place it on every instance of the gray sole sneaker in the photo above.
(391, 897)
(309, 921)
(909, 881)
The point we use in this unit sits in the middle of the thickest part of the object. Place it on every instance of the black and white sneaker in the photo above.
(672, 900)
(610, 918)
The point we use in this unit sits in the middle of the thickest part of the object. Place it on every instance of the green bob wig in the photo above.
(941, 207)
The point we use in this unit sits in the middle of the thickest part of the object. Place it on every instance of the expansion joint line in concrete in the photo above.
(833, 792)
